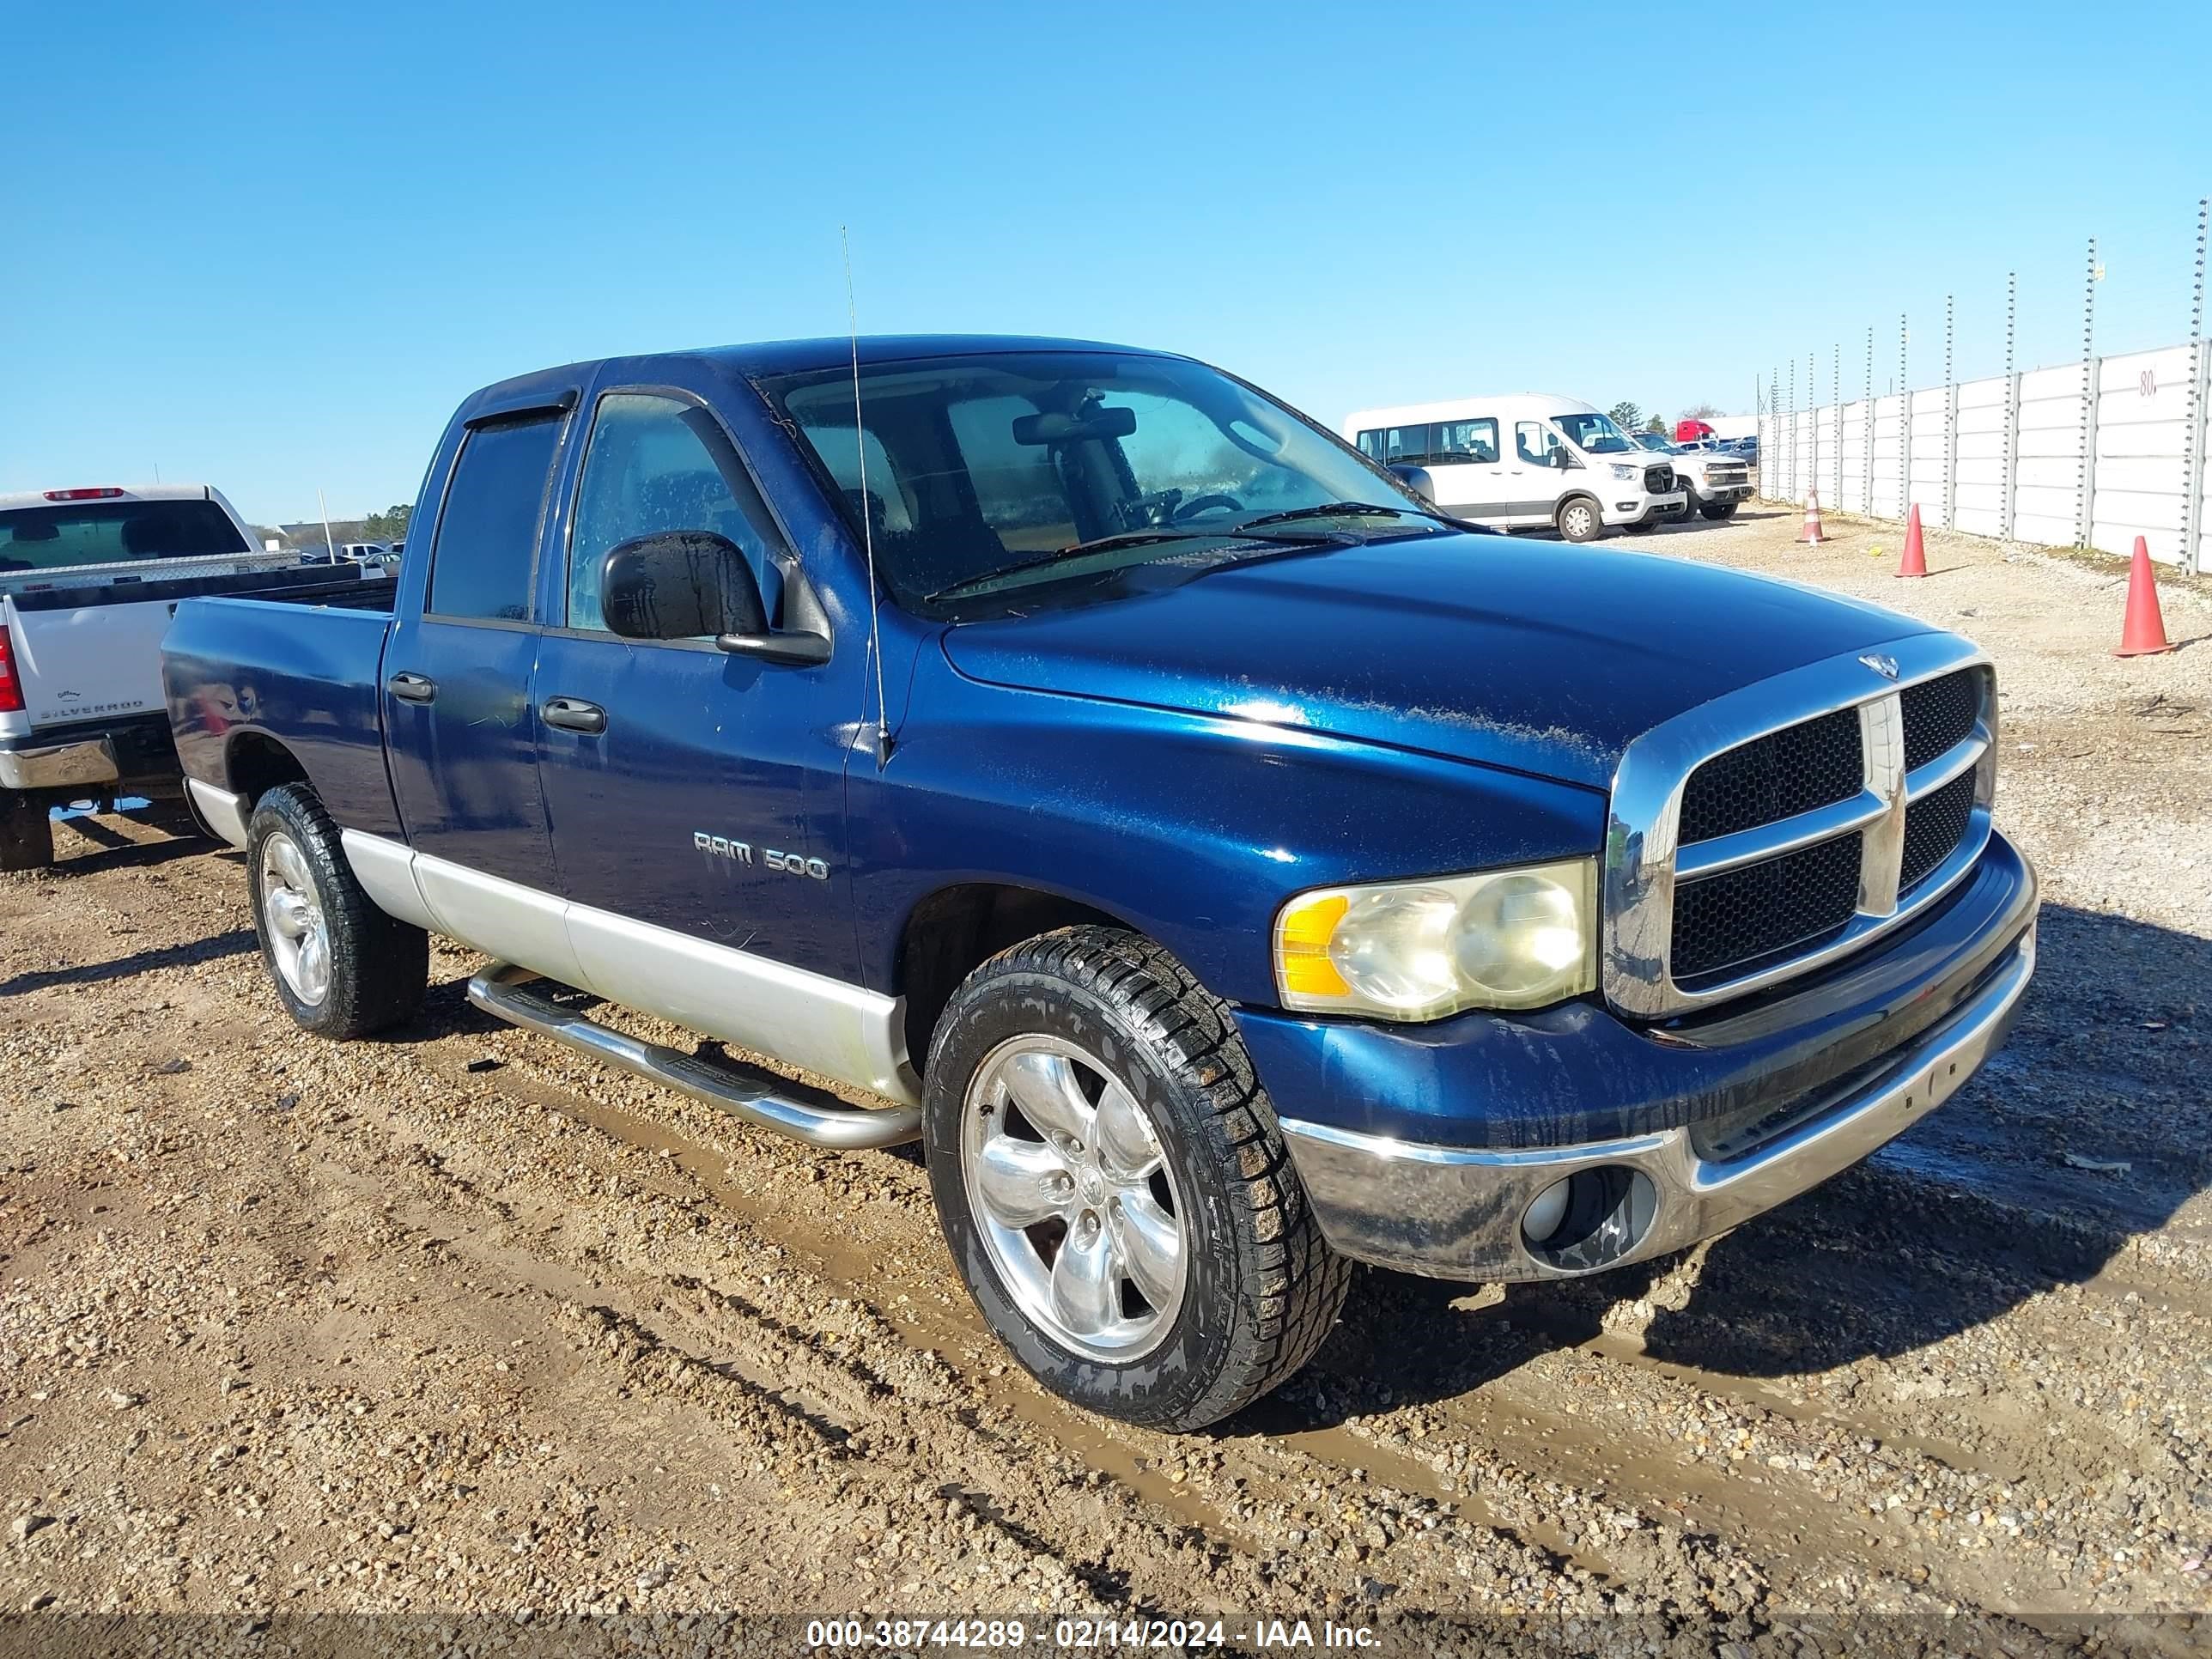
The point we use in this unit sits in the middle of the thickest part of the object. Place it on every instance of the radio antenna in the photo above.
(867, 518)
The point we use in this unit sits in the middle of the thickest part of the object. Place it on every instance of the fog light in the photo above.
(1546, 1214)
(1591, 1219)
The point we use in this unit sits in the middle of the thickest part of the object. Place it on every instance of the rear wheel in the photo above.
(342, 967)
(1114, 1187)
(1579, 519)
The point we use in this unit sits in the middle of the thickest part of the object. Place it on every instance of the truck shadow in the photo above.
(239, 941)
(114, 850)
(2082, 1135)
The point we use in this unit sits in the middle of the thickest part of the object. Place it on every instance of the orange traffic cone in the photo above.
(1812, 537)
(1915, 561)
(2144, 632)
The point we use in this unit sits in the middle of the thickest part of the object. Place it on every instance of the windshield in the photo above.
(977, 465)
(1594, 433)
(110, 533)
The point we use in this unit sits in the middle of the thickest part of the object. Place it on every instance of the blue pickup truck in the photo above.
(1068, 756)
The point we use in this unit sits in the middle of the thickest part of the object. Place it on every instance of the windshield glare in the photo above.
(1594, 434)
(977, 463)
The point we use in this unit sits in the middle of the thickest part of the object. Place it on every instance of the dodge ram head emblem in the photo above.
(1885, 666)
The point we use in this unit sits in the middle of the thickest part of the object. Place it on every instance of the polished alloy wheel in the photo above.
(1077, 1205)
(299, 934)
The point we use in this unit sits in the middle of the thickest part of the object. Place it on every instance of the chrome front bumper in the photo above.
(58, 766)
(1456, 1213)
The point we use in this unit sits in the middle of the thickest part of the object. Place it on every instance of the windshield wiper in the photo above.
(1349, 510)
(1106, 545)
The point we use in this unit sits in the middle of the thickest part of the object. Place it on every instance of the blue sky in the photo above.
(270, 249)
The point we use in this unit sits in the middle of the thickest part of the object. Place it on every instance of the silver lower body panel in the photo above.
(220, 810)
(809, 1021)
(1457, 1212)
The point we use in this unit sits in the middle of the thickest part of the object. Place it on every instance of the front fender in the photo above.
(1193, 830)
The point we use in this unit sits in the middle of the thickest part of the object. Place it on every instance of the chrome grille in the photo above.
(1938, 713)
(1775, 777)
(1786, 824)
(1759, 911)
(1934, 825)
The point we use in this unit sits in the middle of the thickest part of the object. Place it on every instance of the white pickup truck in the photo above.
(88, 581)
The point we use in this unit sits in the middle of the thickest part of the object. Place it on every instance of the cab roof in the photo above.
(551, 387)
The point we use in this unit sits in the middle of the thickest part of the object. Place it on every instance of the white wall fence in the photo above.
(2089, 454)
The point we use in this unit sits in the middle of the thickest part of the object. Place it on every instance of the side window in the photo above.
(1534, 441)
(1466, 441)
(481, 562)
(659, 463)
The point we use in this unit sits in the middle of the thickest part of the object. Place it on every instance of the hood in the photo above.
(1542, 657)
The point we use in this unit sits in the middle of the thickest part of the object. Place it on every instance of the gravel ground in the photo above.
(457, 1327)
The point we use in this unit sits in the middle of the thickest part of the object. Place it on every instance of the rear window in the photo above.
(109, 533)
(483, 559)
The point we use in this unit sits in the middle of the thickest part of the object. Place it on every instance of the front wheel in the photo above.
(342, 967)
(1719, 512)
(1579, 519)
(1114, 1187)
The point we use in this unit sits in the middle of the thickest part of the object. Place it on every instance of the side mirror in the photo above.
(1560, 459)
(678, 586)
(1417, 479)
(683, 584)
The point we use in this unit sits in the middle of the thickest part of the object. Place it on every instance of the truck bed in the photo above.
(302, 669)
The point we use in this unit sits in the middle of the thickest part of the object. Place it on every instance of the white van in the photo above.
(1525, 461)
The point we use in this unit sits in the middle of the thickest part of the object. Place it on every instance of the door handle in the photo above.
(412, 688)
(573, 715)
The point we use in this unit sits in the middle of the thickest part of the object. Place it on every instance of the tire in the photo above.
(1580, 518)
(1689, 509)
(1191, 1151)
(26, 833)
(1720, 512)
(342, 967)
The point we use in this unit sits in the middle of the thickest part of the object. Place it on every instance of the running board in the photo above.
(789, 1108)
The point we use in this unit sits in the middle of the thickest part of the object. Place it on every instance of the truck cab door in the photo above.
(697, 798)
(460, 723)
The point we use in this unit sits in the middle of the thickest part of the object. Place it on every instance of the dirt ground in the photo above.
(460, 1325)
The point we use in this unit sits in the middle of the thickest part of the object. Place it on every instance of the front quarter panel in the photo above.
(1192, 829)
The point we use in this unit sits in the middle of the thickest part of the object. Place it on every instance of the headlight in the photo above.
(1623, 472)
(1421, 950)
